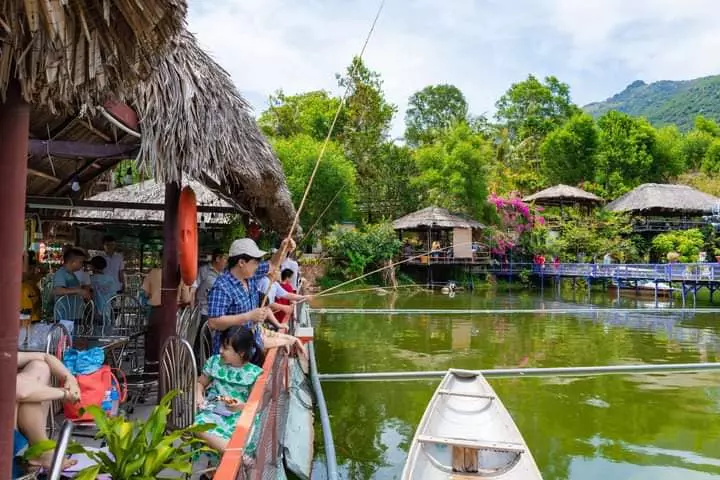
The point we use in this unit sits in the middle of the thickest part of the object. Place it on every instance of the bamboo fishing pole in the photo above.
(288, 239)
(392, 265)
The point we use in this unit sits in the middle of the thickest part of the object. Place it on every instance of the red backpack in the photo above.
(93, 388)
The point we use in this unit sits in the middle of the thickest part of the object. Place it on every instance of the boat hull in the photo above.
(467, 433)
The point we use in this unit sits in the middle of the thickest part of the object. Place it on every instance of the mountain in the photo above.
(666, 102)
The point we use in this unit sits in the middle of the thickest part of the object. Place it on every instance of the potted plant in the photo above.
(137, 449)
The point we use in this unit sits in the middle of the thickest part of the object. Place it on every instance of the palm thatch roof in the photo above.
(563, 194)
(660, 199)
(434, 217)
(150, 192)
(67, 52)
(193, 123)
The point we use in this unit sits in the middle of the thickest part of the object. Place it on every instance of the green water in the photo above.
(604, 427)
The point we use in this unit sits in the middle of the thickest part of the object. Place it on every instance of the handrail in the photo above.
(330, 457)
(60, 449)
(232, 459)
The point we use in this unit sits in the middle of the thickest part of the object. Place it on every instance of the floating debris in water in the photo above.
(597, 402)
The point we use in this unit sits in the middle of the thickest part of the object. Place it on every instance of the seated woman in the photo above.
(225, 384)
(34, 394)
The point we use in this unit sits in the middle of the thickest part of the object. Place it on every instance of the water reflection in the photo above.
(630, 426)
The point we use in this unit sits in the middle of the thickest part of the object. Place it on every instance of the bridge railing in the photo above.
(676, 272)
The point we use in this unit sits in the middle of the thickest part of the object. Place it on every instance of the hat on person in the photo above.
(245, 246)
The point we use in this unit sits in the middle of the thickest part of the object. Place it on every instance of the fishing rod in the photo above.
(527, 372)
(317, 221)
(293, 226)
(392, 265)
(373, 289)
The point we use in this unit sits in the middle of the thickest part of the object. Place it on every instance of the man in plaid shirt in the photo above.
(234, 298)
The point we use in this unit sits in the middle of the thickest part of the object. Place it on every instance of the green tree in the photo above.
(711, 162)
(687, 243)
(394, 193)
(629, 154)
(568, 153)
(335, 174)
(310, 113)
(693, 148)
(707, 125)
(358, 250)
(452, 172)
(367, 126)
(433, 110)
(533, 109)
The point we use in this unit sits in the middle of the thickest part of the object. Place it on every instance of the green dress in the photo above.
(228, 381)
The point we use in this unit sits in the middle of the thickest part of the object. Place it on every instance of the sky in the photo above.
(598, 47)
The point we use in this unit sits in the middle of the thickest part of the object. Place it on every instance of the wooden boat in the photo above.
(466, 433)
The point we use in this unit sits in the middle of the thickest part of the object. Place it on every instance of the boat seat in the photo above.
(474, 444)
(466, 394)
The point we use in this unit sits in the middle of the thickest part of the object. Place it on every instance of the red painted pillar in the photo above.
(14, 130)
(171, 275)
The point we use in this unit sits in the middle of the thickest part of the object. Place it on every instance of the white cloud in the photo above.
(597, 46)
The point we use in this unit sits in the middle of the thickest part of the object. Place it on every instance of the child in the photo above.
(104, 286)
(224, 387)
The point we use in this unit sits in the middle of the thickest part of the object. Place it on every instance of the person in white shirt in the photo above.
(115, 261)
(291, 264)
(275, 291)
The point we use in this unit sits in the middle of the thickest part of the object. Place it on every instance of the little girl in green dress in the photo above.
(224, 387)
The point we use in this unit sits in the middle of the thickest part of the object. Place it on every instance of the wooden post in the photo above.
(170, 272)
(14, 128)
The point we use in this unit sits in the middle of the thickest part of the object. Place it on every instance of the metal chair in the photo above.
(178, 372)
(69, 308)
(205, 340)
(123, 316)
(86, 324)
(184, 317)
(58, 342)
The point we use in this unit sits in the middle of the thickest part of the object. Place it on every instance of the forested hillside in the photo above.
(666, 102)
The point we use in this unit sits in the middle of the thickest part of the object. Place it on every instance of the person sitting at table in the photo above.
(34, 394)
(66, 284)
(104, 286)
(152, 288)
(30, 297)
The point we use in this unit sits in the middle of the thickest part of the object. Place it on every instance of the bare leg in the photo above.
(213, 441)
(32, 416)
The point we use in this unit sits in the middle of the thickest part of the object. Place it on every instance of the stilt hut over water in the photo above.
(430, 226)
(659, 208)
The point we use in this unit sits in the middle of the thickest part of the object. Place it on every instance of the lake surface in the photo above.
(660, 426)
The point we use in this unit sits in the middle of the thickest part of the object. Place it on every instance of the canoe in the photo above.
(466, 433)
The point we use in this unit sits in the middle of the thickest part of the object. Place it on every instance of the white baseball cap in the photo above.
(245, 246)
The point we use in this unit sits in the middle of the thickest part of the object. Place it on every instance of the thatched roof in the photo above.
(151, 192)
(67, 52)
(434, 217)
(653, 198)
(562, 194)
(193, 121)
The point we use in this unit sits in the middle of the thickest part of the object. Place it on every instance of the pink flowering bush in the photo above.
(515, 219)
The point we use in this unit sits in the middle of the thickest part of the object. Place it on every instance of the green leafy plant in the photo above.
(687, 244)
(137, 450)
(356, 250)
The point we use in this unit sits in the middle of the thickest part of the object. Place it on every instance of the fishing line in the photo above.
(375, 289)
(392, 265)
(283, 248)
(307, 234)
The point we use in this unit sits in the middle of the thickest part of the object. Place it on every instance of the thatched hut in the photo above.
(563, 195)
(438, 224)
(149, 192)
(193, 122)
(57, 56)
(665, 207)
(668, 200)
